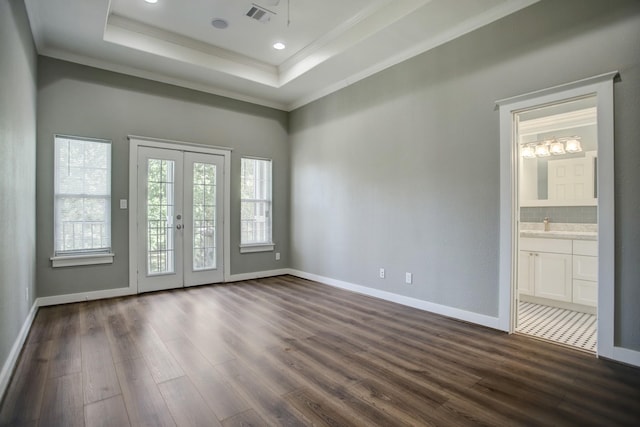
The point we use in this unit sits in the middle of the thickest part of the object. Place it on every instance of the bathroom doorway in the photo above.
(550, 276)
(557, 262)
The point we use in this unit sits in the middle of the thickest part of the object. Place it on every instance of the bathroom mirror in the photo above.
(557, 154)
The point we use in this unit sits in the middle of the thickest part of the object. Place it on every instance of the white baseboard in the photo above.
(85, 296)
(617, 354)
(624, 355)
(256, 275)
(12, 359)
(456, 313)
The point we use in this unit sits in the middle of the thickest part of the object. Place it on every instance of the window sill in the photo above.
(257, 247)
(73, 260)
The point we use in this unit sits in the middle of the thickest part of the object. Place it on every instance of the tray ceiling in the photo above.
(329, 44)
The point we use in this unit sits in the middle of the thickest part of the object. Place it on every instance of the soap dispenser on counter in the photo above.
(546, 223)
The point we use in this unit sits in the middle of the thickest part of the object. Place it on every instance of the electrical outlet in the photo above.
(277, 256)
(408, 278)
(381, 273)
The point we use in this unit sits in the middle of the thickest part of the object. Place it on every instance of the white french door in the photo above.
(180, 209)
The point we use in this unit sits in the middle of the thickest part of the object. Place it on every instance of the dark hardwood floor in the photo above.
(287, 351)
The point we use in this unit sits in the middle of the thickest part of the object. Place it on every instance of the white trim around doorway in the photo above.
(141, 141)
(602, 86)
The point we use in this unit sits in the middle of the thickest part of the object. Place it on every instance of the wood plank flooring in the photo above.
(287, 351)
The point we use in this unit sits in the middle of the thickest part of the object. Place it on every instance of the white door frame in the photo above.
(602, 87)
(141, 141)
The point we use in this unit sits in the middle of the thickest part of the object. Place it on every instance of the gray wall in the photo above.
(401, 170)
(84, 101)
(17, 172)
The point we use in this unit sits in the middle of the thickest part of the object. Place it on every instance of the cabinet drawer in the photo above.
(585, 292)
(585, 247)
(558, 246)
(585, 268)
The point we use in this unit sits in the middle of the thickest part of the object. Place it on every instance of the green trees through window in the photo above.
(255, 201)
(82, 201)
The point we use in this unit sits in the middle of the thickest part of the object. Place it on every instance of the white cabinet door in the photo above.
(585, 279)
(525, 273)
(553, 276)
(585, 268)
(585, 292)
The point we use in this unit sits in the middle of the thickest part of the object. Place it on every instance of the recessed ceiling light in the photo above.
(279, 46)
(151, 1)
(219, 23)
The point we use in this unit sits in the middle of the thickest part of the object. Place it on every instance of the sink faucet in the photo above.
(546, 223)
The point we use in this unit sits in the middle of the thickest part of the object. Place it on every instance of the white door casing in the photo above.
(185, 230)
(602, 87)
(179, 243)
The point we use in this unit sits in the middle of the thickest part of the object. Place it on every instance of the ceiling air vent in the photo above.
(259, 13)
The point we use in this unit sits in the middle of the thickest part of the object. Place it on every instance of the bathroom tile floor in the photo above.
(556, 324)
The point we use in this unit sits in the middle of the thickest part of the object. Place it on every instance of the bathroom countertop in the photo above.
(560, 234)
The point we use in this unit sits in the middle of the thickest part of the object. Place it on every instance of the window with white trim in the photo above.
(255, 205)
(82, 201)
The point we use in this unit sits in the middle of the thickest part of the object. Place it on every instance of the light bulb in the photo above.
(573, 146)
(557, 148)
(527, 152)
(542, 150)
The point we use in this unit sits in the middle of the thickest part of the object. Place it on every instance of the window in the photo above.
(82, 201)
(255, 200)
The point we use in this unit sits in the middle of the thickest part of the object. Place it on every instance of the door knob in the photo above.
(179, 226)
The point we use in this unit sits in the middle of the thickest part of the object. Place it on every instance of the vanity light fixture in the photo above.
(573, 145)
(542, 150)
(557, 148)
(553, 146)
(528, 152)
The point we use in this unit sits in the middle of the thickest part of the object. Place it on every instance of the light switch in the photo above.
(123, 203)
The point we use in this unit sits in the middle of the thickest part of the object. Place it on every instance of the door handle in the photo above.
(179, 226)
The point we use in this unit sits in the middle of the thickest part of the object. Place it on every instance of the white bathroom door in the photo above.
(179, 209)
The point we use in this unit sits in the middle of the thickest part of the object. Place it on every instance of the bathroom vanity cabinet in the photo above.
(585, 272)
(559, 270)
(545, 268)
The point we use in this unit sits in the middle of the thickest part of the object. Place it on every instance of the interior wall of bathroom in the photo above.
(17, 176)
(560, 214)
(401, 170)
(84, 101)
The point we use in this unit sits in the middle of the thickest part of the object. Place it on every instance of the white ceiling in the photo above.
(329, 44)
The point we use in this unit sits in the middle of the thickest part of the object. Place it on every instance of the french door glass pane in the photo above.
(160, 214)
(204, 216)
